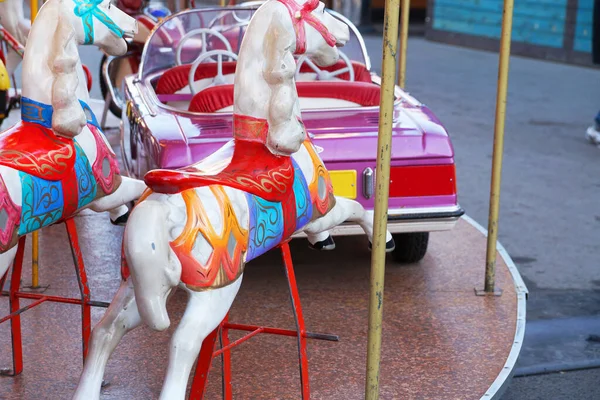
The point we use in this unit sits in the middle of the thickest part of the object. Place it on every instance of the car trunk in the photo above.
(422, 167)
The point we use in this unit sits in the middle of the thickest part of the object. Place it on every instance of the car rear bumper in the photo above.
(405, 220)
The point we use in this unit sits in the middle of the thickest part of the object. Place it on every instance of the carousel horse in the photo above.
(195, 228)
(56, 161)
(13, 20)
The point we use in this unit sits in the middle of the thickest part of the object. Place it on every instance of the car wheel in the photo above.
(410, 247)
(113, 107)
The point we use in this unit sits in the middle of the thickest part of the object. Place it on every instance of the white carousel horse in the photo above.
(14, 21)
(198, 226)
(56, 161)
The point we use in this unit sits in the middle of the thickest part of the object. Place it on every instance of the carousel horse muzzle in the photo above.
(88, 10)
(302, 14)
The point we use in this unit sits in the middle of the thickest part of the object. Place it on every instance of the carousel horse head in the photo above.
(318, 33)
(101, 23)
(280, 30)
(60, 26)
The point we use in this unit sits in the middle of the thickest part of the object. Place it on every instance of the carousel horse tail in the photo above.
(149, 257)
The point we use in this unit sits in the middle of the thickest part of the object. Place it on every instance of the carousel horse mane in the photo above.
(279, 75)
(68, 118)
(273, 37)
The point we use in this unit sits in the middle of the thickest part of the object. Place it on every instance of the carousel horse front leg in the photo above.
(344, 210)
(203, 314)
(121, 317)
(129, 190)
(6, 260)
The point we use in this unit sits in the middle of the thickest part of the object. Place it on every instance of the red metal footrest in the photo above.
(14, 295)
(207, 353)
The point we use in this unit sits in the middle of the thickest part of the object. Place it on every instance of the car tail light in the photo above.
(423, 180)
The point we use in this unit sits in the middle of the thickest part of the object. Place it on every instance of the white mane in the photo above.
(68, 118)
(274, 96)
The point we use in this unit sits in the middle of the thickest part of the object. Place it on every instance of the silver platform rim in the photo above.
(500, 384)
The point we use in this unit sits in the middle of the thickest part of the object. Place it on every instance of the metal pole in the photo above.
(33, 4)
(35, 278)
(384, 144)
(403, 43)
(490, 265)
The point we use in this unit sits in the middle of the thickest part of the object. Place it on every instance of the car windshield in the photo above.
(183, 37)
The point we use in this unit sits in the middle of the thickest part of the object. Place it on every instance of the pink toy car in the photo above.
(179, 110)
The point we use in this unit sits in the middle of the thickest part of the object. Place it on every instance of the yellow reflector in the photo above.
(4, 78)
(344, 183)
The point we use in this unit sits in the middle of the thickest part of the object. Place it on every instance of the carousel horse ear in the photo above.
(68, 118)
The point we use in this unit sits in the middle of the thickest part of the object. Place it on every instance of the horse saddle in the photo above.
(241, 164)
(36, 150)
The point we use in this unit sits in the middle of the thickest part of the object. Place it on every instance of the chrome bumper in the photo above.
(405, 220)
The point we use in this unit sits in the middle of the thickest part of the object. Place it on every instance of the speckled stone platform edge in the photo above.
(499, 386)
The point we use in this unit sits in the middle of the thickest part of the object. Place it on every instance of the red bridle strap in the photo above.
(301, 14)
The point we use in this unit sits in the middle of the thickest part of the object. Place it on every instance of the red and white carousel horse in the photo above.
(198, 226)
(56, 161)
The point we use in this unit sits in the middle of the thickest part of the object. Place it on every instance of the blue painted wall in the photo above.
(535, 22)
(583, 27)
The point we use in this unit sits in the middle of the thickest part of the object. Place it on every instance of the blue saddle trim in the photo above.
(42, 203)
(266, 226)
(40, 113)
(304, 206)
(36, 112)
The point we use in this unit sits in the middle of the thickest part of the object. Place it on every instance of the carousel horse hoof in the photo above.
(389, 246)
(327, 244)
(122, 220)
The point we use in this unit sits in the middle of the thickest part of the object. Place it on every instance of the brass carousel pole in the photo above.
(33, 5)
(403, 43)
(505, 39)
(35, 280)
(382, 180)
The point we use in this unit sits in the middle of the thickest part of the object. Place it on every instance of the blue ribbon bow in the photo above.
(87, 10)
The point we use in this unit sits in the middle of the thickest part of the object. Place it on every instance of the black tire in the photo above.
(114, 108)
(410, 247)
(4, 101)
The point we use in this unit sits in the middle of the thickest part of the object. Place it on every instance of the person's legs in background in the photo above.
(593, 132)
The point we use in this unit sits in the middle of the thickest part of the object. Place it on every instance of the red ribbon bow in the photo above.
(301, 14)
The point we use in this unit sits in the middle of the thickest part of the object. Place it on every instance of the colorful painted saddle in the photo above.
(36, 150)
(56, 177)
(251, 168)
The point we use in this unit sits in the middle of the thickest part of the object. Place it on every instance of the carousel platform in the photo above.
(440, 340)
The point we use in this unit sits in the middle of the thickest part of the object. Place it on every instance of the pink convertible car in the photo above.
(178, 110)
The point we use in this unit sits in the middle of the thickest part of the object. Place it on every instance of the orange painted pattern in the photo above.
(324, 204)
(226, 261)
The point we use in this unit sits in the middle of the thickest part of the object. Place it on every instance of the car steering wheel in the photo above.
(219, 79)
(204, 32)
(247, 4)
(323, 75)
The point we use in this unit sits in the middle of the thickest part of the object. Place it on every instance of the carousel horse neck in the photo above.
(53, 80)
(265, 86)
(251, 129)
(251, 82)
